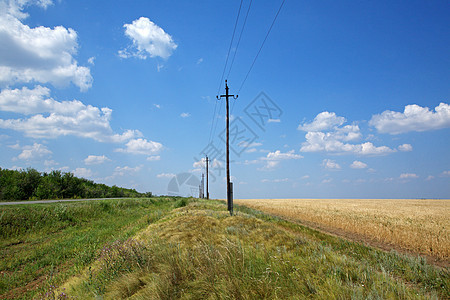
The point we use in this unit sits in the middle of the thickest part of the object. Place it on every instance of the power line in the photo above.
(239, 40)
(214, 120)
(217, 122)
(229, 48)
(262, 45)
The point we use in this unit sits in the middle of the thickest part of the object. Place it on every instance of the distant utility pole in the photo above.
(229, 184)
(203, 185)
(207, 175)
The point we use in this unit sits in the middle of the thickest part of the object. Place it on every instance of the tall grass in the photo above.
(199, 252)
(42, 245)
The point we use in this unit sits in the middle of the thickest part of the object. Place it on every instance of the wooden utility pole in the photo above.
(229, 185)
(207, 175)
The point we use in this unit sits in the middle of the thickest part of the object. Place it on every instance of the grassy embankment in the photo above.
(417, 226)
(41, 245)
(198, 251)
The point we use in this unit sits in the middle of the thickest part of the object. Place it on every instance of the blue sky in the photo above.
(346, 99)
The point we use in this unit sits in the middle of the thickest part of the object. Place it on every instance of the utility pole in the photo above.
(203, 185)
(229, 184)
(207, 175)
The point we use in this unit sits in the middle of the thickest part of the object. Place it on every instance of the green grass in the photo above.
(199, 252)
(42, 245)
(175, 248)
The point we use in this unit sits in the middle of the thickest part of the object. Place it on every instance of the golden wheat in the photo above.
(421, 226)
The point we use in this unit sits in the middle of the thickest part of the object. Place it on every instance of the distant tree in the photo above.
(30, 184)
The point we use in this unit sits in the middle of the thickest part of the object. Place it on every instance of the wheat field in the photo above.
(419, 226)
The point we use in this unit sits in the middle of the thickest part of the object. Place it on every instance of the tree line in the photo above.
(30, 184)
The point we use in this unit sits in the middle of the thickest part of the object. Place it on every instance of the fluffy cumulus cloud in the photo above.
(413, 118)
(141, 146)
(323, 121)
(33, 152)
(273, 159)
(330, 164)
(326, 134)
(405, 148)
(148, 40)
(96, 159)
(358, 165)
(40, 54)
(83, 173)
(51, 119)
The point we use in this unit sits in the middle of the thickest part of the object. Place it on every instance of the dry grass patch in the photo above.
(421, 226)
(199, 252)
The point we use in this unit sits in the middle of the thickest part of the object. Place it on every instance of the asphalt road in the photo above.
(54, 201)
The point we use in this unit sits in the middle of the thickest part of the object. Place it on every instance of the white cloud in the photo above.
(200, 164)
(445, 173)
(122, 171)
(358, 165)
(199, 61)
(408, 176)
(157, 106)
(324, 134)
(330, 142)
(275, 180)
(413, 118)
(405, 147)
(83, 173)
(15, 7)
(274, 121)
(96, 160)
(305, 177)
(148, 40)
(327, 180)
(52, 119)
(185, 115)
(91, 60)
(15, 146)
(323, 121)
(273, 159)
(39, 54)
(154, 158)
(430, 177)
(165, 175)
(278, 155)
(36, 151)
(141, 146)
(330, 164)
